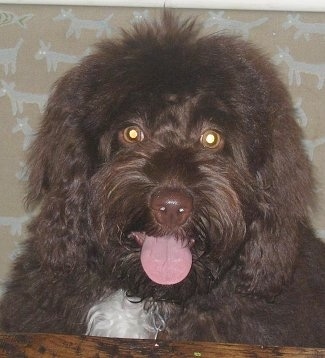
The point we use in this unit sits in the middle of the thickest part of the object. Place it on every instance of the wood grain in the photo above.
(56, 345)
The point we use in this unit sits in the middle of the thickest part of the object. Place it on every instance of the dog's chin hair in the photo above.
(121, 317)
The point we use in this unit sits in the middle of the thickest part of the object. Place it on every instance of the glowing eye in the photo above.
(132, 134)
(211, 139)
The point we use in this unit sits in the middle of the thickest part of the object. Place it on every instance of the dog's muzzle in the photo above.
(167, 259)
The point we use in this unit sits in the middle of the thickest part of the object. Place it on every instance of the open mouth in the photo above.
(165, 259)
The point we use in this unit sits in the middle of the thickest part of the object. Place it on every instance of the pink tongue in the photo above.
(165, 260)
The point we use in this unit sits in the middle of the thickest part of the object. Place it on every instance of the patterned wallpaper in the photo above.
(39, 43)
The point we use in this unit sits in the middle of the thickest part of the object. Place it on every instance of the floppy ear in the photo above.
(60, 161)
(281, 221)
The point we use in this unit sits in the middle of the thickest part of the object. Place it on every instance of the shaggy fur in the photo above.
(258, 272)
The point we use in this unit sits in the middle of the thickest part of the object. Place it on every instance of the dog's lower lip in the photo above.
(139, 237)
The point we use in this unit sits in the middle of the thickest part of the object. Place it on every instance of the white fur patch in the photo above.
(116, 316)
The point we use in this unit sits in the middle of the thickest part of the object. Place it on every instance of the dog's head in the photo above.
(168, 162)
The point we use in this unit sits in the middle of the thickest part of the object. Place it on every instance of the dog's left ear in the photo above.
(280, 221)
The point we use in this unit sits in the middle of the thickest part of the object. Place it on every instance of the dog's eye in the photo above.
(132, 134)
(212, 139)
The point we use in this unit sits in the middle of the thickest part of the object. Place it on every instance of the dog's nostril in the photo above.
(171, 207)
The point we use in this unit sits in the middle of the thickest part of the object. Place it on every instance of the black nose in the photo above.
(171, 207)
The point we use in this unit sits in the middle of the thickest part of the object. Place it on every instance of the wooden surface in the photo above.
(53, 345)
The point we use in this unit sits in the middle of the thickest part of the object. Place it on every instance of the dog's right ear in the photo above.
(58, 155)
(61, 161)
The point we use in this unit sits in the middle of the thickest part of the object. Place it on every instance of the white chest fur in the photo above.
(117, 316)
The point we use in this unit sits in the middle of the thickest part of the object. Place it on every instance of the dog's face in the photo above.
(171, 159)
(168, 199)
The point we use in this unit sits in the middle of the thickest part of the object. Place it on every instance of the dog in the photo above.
(173, 197)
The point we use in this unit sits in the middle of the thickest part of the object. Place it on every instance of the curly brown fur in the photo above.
(258, 272)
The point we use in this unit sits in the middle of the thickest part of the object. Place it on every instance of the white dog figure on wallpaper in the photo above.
(53, 58)
(296, 68)
(77, 25)
(23, 126)
(304, 29)
(8, 57)
(241, 27)
(18, 99)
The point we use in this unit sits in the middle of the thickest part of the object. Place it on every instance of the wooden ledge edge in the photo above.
(59, 345)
